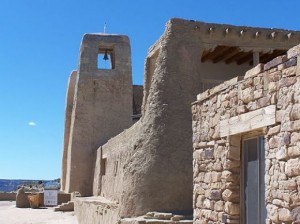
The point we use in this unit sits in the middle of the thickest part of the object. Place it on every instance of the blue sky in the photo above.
(39, 45)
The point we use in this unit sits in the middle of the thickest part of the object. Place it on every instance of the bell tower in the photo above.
(101, 106)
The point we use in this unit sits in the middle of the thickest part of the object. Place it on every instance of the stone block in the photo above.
(295, 215)
(295, 113)
(291, 62)
(246, 95)
(272, 87)
(215, 176)
(274, 142)
(230, 195)
(288, 185)
(288, 81)
(293, 167)
(200, 200)
(208, 204)
(289, 71)
(295, 138)
(234, 152)
(294, 151)
(274, 76)
(276, 61)
(232, 208)
(254, 71)
(293, 52)
(273, 212)
(263, 102)
(219, 206)
(274, 130)
(284, 215)
(282, 153)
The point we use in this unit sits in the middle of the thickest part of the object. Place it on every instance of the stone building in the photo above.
(246, 134)
(126, 168)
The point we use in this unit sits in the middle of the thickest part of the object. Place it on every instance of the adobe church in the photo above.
(142, 155)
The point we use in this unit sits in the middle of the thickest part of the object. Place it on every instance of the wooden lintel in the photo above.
(249, 121)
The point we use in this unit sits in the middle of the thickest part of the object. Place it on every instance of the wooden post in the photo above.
(255, 58)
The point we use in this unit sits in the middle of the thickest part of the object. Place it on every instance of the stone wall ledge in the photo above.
(279, 63)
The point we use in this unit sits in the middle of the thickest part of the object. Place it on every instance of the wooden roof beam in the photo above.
(246, 58)
(234, 57)
(227, 54)
(212, 54)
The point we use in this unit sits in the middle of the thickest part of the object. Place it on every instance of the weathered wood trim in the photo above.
(248, 121)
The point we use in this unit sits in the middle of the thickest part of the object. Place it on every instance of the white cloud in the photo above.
(31, 123)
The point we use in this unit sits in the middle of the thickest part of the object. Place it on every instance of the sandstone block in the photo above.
(219, 206)
(274, 76)
(282, 153)
(280, 203)
(254, 71)
(274, 130)
(162, 216)
(276, 61)
(288, 81)
(208, 204)
(291, 62)
(293, 51)
(273, 212)
(289, 71)
(295, 138)
(295, 113)
(272, 87)
(232, 208)
(246, 95)
(263, 102)
(294, 151)
(234, 153)
(274, 142)
(288, 185)
(284, 215)
(230, 195)
(258, 94)
(295, 215)
(215, 176)
(293, 167)
(215, 195)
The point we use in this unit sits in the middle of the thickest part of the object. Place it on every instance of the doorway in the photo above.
(253, 181)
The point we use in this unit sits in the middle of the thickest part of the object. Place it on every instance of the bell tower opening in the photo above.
(105, 59)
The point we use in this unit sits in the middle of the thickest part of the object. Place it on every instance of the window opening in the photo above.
(105, 59)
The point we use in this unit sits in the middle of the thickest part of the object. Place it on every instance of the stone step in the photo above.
(158, 218)
(65, 207)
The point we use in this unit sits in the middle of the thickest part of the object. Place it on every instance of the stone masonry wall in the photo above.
(216, 157)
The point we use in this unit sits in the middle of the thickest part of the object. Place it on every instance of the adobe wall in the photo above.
(102, 107)
(265, 101)
(68, 114)
(7, 196)
(148, 167)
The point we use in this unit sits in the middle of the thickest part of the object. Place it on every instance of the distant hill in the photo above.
(12, 185)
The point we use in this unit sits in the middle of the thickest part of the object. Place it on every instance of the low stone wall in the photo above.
(5, 196)
(95, 210)
(23, 202)
(265, 101)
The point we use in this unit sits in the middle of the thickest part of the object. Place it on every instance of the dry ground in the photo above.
(9, 214)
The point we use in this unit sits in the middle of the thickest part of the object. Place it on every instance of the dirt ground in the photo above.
(9, 214)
